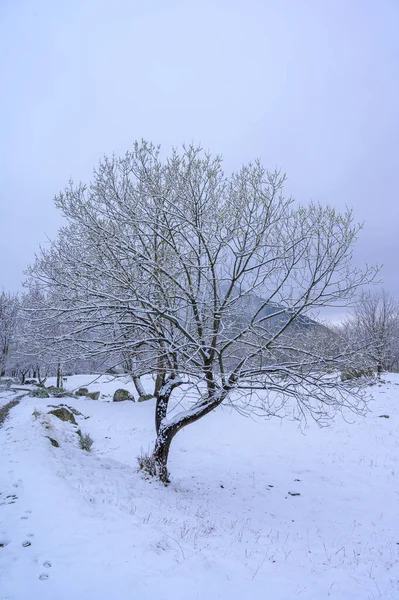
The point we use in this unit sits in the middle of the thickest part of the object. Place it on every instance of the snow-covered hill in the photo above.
(257, 509)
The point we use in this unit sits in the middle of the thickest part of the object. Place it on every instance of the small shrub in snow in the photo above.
(147, 465)
(58, 392)
(53, 389)
(36, 414)
(356, 374)
(53, 442)
(85, 441)
(46, 423)
(39, 393)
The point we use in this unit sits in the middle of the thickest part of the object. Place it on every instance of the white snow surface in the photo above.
(226, 528)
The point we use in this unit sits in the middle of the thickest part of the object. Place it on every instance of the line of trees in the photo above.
(372, 327)
(168, 266)
(24, 352)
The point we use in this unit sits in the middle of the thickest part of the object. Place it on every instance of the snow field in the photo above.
(256, 508)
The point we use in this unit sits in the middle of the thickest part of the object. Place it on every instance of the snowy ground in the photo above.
(86, 526)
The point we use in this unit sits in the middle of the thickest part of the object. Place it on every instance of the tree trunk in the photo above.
(161, 453)
(4, 361)
(166, 433)
(40, 380)
(159, 383)
(138, 385)
(59, 376)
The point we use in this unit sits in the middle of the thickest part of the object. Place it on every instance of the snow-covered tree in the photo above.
(34, 356)
(375, 323)
(9, 307)
(214, 274)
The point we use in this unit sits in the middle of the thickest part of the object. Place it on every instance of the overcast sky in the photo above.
(311, 86)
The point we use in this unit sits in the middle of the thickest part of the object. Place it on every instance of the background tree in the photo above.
(214, 273)
(375, 323)
(9, 308)
(35, 356)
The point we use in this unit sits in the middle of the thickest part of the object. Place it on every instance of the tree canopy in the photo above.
(203, 278)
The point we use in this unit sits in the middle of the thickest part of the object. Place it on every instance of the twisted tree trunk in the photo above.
(167, 429)
(161, 453)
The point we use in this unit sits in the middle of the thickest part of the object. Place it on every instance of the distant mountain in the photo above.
(277, 316)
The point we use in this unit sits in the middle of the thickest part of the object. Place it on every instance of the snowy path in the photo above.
(76, 526)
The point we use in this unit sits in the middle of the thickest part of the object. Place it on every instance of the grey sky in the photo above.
(311, 86)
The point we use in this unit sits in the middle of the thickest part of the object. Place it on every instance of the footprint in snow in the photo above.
(44, 576)
(10, 499)
(47, 564)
